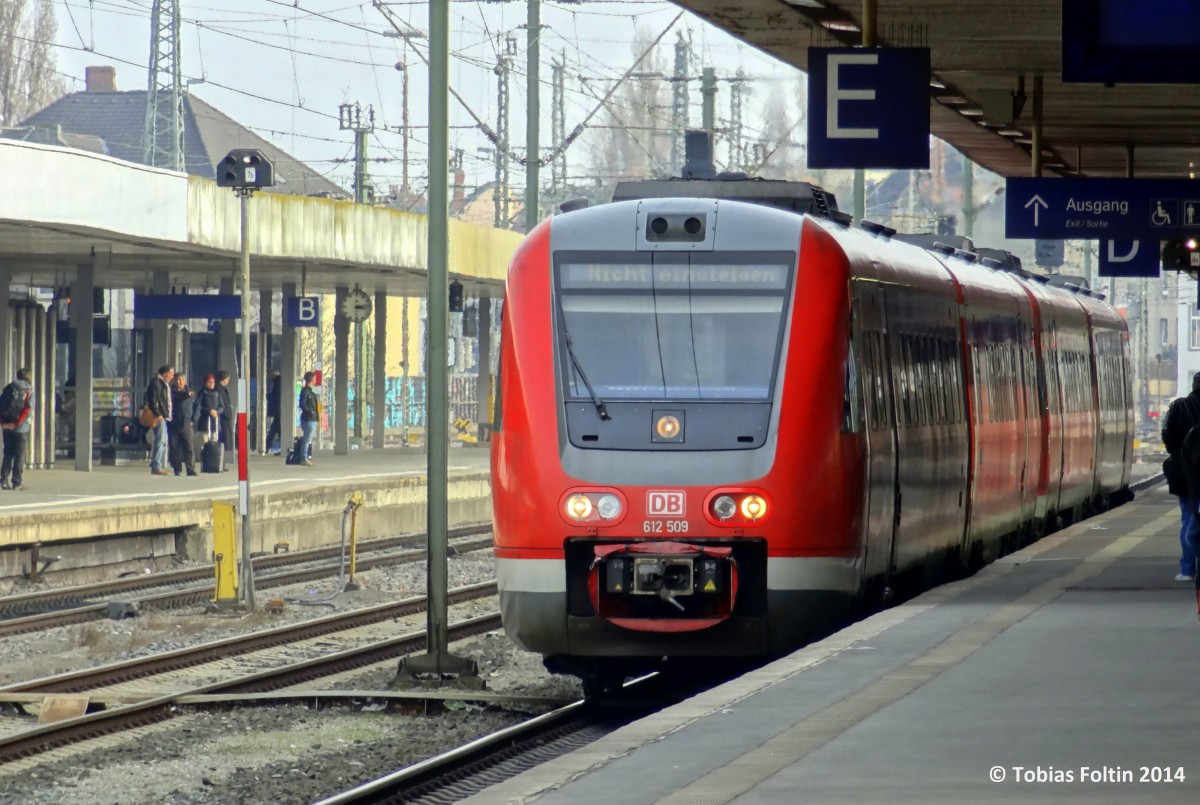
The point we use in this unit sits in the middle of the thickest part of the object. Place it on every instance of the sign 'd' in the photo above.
(868, 108)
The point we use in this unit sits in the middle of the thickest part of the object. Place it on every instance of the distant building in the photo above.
(103, 120)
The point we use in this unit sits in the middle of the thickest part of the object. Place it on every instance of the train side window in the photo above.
(977, 377)
(850, 412)
(879, 372)
(931, 391)
(887, 402)
(937, 352)
(911, 415)
(1014, 380)
(922, 380)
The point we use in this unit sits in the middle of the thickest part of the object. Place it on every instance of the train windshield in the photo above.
(674, 326)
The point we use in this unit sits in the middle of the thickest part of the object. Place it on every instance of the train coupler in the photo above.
(633, 585)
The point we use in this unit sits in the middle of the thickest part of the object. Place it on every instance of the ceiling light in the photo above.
(953, 100)
(936, 83)
(1024, 140)
(805, 3)
(1011, 133)
(840, 25)
(971, 112)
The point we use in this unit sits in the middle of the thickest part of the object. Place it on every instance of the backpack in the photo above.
(12, 403)
(1189, 452)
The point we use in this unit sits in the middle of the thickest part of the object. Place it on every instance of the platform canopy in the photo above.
(979, 53)
(60, 207)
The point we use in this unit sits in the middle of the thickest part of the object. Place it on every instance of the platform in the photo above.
(121, 514)
(1065, 672)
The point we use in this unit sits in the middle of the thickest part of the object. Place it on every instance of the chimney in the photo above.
(101, 79)
(458, 200)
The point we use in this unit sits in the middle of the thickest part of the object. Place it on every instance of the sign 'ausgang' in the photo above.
(1101, 209)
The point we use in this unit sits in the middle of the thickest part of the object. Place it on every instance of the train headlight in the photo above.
(754, 507)
(609, 506)
(724, 507)
(667, 427)
(578, 507)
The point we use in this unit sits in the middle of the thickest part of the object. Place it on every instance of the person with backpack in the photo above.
(1181, 438)
(16, 418)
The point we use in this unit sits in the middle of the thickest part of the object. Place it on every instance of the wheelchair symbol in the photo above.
(1162, 215)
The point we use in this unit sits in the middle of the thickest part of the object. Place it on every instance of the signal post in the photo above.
(245, 170)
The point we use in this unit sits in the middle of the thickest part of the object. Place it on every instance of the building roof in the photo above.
(117, 118)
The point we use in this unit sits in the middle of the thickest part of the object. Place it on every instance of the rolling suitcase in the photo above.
(212, 457)
(293, 453)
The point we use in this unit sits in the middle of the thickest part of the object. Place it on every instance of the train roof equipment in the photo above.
(701, 180)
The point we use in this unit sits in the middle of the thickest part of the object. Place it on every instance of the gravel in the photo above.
(70, 648)
(269, 754)
(284, 754)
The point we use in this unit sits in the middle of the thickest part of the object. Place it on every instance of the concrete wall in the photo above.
(120, 536)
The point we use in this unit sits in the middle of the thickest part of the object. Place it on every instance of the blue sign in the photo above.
(1128, 258)
(868, 108)
(1123, 42)
(186, 306)
(303, 311)
(1101, 209)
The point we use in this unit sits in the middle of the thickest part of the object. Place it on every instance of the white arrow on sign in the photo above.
(1036, 202)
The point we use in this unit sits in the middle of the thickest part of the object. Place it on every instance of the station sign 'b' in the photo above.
(868, 108)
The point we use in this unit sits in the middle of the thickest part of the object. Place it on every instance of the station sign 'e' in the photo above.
(1128, 258)
(868, 108)
(303, 311)
(1101, 209)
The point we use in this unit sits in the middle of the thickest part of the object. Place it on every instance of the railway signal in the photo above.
(245, 170)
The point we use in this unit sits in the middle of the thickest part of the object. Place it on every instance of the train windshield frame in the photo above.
(687, 326)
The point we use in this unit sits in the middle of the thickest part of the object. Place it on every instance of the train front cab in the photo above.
(743, 425)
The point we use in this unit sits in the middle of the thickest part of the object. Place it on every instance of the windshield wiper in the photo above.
(599, 403)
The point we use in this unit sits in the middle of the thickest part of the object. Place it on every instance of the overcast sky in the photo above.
(283, 67)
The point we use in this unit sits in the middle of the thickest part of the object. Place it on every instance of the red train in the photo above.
(726, 419)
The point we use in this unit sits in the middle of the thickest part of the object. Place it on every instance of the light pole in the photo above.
(438, 663)
(245, 170)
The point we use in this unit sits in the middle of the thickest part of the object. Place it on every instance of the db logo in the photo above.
(665, 504)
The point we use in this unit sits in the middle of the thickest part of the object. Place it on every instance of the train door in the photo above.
(870, 334)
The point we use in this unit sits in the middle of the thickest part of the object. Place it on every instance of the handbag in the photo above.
(147, 418)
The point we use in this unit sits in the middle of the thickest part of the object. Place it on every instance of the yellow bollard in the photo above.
(224, 554)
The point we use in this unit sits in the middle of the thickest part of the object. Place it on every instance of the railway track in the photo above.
(74, 604)
(469, 769)
(112, 682)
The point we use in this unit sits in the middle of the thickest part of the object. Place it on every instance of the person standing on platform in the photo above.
(309, 418)
(228, 437)
(209, 408)
(158, 400)
(273, 397)
(1184, 481)
(181, 428)
(16, 428)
